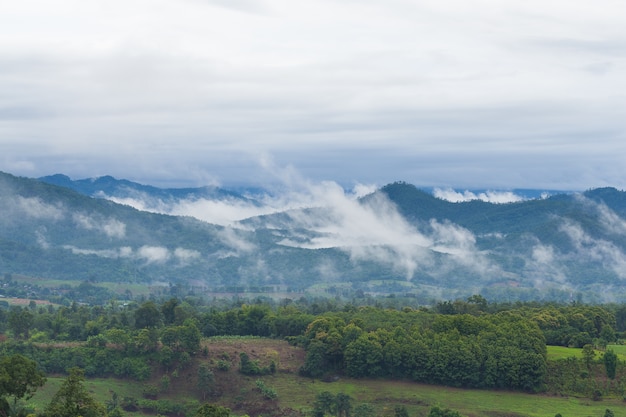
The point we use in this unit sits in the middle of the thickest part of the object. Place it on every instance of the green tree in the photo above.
(20, 322)
(168, 310)
(19, 378)
(324, 403)
(589, 354)
(205, 379)
(364, 356)
(73, 400)
(190, 336)
(343, 405)
(316, 363)
(147, 316)
(608, 413)
(610, 363)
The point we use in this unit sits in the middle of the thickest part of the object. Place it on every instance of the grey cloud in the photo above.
(149, 254)
(35, 207)
(153, 254)
(603, 47)
(112, 228)
(595, 250)
(342, 90)
(236, 241)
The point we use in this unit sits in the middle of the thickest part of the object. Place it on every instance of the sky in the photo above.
(454, 94)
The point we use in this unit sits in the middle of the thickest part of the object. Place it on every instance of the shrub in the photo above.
(223, 365)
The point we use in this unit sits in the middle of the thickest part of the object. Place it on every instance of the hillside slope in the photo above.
(398, 240)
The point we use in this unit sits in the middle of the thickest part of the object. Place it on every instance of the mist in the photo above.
(497, 197)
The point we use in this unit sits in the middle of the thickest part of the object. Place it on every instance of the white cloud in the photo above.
(110, 227)
(186, 255)
(103, 253)
(498, 197)
(589, 249)
(149, 254)
(234, 239)
(153, 254)
(36, 208)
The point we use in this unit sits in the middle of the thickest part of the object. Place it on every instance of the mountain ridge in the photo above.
(397, 240)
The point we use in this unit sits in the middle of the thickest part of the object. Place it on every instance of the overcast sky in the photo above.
(445, 93)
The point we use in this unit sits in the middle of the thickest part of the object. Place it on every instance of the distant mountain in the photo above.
(110, 187)
(398, 240)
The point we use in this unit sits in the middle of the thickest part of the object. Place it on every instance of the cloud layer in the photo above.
(449, 94)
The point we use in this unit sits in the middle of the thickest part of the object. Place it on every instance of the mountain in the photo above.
(398, 240)
(112, 188)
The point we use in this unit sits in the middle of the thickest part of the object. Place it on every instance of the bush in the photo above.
(150, 391)
(268, 392)
(223, 365)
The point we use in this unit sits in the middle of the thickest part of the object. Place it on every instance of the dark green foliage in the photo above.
(324, 403)
(19, 378)
(73, 400)
(493, 351)
(252, 367)
(589, 354)
(610, 363)
(206, 378)
(20, 322)
(147, 316)
(267, 392)
(343, 405)
(248, 366)
(95, 361)
(339, 405)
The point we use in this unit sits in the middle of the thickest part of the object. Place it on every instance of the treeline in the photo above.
(467, 343)
(504, 350)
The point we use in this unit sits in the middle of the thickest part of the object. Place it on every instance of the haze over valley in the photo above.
(319, 238)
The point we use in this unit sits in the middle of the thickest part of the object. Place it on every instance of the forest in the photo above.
(467, 343)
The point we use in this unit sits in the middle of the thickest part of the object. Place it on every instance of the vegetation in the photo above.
(464, 344)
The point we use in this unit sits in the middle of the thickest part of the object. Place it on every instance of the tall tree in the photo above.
(147, 316)
(19, 378)
(73, 399)
(588, 355)
(20, 322)
(610, 363)
(205, 379)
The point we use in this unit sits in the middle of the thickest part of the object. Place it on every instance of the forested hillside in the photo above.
(398, 240)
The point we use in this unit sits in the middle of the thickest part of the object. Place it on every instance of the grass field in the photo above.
(100, 388)
(619, 349)
(299, 393)
(562, 352)
(418, 398)
(238, 392)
